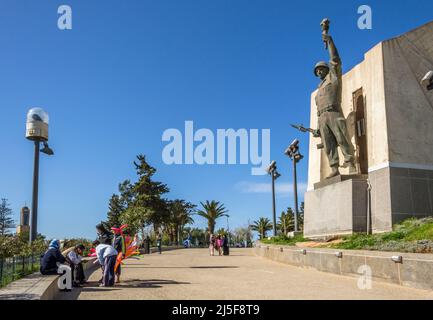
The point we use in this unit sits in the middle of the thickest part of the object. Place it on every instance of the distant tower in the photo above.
(24, 225)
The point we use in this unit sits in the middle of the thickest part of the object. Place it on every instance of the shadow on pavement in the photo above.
(214, 267)
(99, 289)
(151, 283)
(193, 267)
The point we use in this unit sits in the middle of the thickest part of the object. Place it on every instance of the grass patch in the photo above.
(412, 235)
(284, 240)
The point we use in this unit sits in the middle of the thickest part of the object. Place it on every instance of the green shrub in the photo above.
(411, 235)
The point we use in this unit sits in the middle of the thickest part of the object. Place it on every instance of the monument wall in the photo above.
(409, 110)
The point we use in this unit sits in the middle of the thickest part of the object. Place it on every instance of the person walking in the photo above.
(159, 243)
(106, 255)
(212, 244)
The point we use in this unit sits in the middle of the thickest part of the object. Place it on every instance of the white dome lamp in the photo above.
(37, 131)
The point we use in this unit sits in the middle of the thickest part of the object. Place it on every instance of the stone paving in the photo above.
(193, 274)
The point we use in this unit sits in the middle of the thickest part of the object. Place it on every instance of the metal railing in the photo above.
(14, 268)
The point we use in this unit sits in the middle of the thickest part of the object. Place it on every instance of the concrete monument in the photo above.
(388, 117)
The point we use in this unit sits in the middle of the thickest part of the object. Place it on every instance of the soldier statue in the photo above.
(331, 122)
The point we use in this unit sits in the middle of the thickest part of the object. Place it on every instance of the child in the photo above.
(106, 255)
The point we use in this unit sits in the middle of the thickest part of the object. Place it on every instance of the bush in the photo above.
(284, 240)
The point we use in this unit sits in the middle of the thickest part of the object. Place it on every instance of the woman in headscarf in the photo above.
(52, 258)
(225, 245)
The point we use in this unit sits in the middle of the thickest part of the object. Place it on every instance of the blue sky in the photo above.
(128, 70)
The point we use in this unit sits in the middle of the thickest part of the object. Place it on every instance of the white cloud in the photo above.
(285, 188)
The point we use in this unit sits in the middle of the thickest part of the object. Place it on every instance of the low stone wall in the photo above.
(405, 269)
(39, 287)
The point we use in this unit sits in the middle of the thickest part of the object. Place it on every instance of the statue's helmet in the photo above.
(319, 64)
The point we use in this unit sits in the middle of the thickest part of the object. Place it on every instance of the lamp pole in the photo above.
(293, 153)
(272, 170)
(295, 192)
(228, 231)
(34, 212)
(273, 205)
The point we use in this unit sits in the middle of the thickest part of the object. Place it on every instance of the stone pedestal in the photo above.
(336, 207)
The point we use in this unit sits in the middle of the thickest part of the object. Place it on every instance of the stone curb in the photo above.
(405, 269)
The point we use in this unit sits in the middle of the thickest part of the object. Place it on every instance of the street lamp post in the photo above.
(37, 131)
(34, 212)
(228, 231)
(293, 153)
(272, 171)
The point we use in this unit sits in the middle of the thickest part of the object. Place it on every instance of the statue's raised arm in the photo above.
(334, 57)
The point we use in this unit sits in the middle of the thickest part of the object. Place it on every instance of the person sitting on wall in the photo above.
(52, 258)
(74, 258)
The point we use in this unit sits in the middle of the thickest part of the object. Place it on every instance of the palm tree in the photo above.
(211, 212)
(286, 221)
(262, 226)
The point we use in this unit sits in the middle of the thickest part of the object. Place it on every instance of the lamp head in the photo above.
(272, 166)
(427, 81)
(47, 150)
(294, 144)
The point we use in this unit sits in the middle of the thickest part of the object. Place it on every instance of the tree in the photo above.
(301, 217)
(6, 220)
(222, 232)
(198, 236)
(115, 210)
(212, 211)
(146, 193)
(180, 215)
(241, 234)
(139, 204)
(286, 222)
(262, 226)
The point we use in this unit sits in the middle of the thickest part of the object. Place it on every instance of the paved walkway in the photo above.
(193, 274)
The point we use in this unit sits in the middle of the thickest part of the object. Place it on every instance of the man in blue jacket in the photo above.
(52, 258)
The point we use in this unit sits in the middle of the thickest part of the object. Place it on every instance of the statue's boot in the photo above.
(351, 166)
(333, 173)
